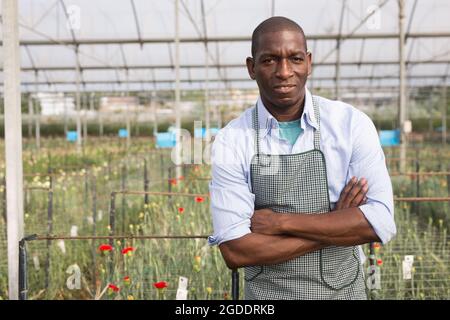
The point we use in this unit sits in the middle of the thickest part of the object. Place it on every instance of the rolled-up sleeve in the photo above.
(368, 161)
(232, 203)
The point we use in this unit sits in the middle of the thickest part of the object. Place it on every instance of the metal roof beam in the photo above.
(321, 37)
(395, 77)
(136, 20)
(232, 65)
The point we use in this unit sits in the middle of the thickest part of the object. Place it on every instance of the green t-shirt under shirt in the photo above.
(290, 130)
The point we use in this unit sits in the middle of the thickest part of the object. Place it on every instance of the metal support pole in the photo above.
(146, 182)
(235, 284)
(85, 132)
(372, 276)
(94, 231)
(100, 121)
(338, 55)
(49, 228)
(65, 115)
(177, 90)
(13, 141)
(37, 117)
(128, 114)
(123, 188)
(206, 88)
(402, 99)
(30, 116)
(77, 97)
(417, 185)
(112, 226)
(155, 116)
(444, 114)
(5, 219)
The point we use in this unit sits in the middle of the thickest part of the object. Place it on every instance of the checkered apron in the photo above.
(296, 183)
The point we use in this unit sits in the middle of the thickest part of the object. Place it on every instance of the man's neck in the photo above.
(285, 114)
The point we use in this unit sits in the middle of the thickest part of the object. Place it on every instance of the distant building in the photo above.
(54, 104)
(118, 104)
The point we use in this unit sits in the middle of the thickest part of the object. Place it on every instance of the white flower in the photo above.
(62, 246)
(74, 231)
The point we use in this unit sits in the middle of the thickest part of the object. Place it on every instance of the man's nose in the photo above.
(284, 69)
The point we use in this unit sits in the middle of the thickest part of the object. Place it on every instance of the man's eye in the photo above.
(268, 60)
(297, 59)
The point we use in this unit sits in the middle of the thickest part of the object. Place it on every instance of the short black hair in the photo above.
(274, 24)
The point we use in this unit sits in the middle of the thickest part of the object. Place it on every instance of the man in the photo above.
(277, 176)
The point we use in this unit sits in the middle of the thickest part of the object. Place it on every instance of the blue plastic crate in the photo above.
(123, 133)
(71, 136)
(201, 132)
(213, 131)
(165, 140)
(389, 138)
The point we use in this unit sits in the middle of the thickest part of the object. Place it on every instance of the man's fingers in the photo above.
(354, 193)
(358, 199)
(345, 192)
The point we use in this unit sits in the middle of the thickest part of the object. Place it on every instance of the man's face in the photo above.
(280, 67)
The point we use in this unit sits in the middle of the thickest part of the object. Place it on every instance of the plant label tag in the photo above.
(74, 231)
(181, 294)
(182, 283)
(61, 245)
(36, 262)
(407, 270)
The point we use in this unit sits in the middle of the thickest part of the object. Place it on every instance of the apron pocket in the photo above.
(339, 266)
(252, 272)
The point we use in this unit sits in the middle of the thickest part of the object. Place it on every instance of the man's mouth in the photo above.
(284, 88)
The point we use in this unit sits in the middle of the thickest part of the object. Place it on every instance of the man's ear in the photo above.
(309, 61)
(251, 67)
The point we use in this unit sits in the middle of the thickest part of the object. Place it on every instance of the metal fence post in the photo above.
(235, 284)
(49, 227)
(23, 274)
(146, 182)
(94, 230)
(417, 207)
(123, 186)
(112, 224)
(23, 270)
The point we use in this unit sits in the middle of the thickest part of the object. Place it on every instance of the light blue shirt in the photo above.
(351, 147)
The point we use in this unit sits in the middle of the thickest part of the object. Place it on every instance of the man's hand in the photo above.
(353, 195)
(265, 221)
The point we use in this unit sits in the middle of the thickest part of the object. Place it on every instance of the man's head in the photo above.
(281, 62)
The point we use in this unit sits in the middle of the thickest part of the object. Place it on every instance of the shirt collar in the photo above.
(267, 121)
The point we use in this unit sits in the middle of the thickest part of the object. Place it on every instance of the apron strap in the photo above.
(256, 128)
(317, 115)
(255, 124)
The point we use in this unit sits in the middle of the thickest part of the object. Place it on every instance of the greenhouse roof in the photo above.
(129, 45)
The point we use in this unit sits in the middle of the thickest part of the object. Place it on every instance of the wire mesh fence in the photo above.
(149, 199)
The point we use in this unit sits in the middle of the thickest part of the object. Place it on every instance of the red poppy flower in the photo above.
(379, 262)
(160, 285)
(105, 247)
(126, 279)
(376, 245)
(199, 199)
(113, 287)
(127, 249)
(180, 209)
(181, 178)
(173, 182)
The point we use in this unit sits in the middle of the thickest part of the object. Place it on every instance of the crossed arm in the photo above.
(277, 238)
